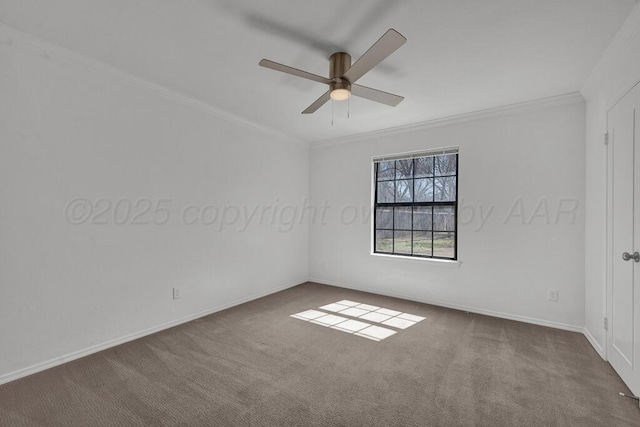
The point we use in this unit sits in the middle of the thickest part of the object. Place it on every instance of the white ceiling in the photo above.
(461, 55)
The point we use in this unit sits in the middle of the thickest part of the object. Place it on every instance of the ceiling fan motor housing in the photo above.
(339, 63)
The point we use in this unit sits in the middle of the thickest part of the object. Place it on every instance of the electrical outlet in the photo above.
(552, 294)
(177, 293)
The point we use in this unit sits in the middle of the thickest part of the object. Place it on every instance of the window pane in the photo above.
(424, 190)
(402, 220)
(445, 189)
(404, 169)
(384, 218)
(415, 211)
(424, 167)
(402, 242)
(385, 170)
(422, 243)
(385, 192)
(404, 190)
(443, 245)
(422, 218)
(446, 165)
(384, 241)
(444, 218)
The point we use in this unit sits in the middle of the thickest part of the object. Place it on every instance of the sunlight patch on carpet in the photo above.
(331, 316)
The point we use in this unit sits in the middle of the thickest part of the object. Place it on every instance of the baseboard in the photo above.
(12, 376)
(595, 344)
(508, 316)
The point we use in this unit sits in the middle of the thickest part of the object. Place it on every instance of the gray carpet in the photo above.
(255, 365)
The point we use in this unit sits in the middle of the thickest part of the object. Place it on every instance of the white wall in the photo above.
(617, 72)
(71, 128)
(506, 266)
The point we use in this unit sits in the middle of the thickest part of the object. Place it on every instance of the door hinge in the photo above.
(606, 324)
(606, 139)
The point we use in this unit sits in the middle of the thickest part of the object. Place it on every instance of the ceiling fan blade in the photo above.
(385, 46)
(376, 95)
(293, 71)
(318, 103)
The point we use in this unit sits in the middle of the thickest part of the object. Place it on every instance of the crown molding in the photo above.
(566, 99)
(14, 37)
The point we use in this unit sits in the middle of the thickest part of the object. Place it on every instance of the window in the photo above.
(416, 205)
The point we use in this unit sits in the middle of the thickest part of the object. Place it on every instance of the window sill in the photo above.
(435, 261)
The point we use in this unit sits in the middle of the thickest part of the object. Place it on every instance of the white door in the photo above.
(623, 338)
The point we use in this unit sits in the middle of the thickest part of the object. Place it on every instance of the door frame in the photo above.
(608, 270)
(608, 289)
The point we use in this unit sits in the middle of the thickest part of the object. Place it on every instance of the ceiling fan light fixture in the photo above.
(339, 94)
(340, 91)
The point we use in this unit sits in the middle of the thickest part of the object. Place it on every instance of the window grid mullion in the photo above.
(393, 210)
(433, 197)
(413, 196)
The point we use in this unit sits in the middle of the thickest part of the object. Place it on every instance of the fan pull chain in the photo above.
(332, 101)
(348, 106)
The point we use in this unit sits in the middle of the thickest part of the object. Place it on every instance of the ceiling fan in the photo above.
(343, 75)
